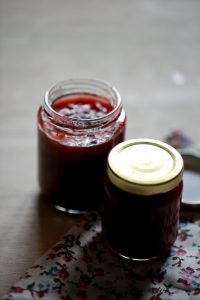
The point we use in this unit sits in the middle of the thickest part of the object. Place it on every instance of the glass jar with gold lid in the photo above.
(143, 195)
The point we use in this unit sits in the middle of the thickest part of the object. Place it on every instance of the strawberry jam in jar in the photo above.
(78, 124)
(143, 194)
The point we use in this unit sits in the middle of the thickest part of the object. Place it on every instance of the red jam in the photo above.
(141, 227)
(72, 157)
(82, 107)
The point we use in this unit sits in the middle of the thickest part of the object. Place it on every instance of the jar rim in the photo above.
(75, 86)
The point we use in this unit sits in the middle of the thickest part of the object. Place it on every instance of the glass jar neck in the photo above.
(82, 87)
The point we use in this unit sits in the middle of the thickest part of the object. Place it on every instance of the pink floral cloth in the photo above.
(81, 267)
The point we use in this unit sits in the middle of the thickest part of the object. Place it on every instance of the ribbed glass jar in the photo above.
(78, 124)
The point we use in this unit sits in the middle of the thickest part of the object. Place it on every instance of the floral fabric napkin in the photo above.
(81, 267)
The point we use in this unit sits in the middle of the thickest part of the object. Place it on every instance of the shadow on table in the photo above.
(53, 224)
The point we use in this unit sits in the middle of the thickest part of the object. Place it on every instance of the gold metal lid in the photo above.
(145, 166)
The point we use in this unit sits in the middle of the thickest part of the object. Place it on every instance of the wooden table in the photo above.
(148, 49)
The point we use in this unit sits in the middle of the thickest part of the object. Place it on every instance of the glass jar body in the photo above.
(79, 123)
(142, 227)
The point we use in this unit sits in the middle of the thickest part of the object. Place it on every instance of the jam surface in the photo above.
(140, 227)
(84, 107)
(72, 165)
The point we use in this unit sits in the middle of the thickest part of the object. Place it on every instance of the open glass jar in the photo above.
(78, 124)
(143, 195)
